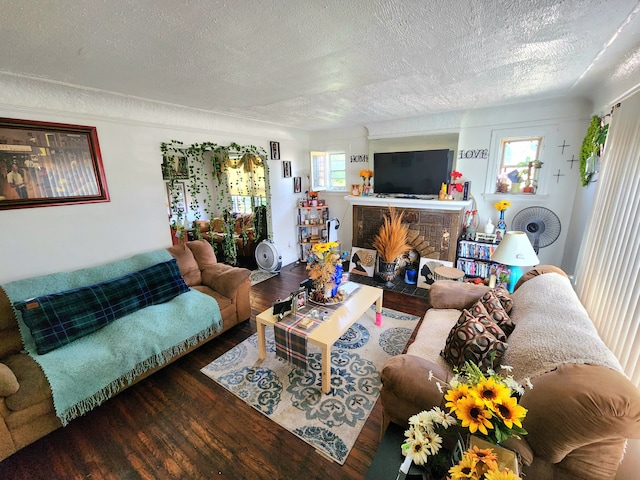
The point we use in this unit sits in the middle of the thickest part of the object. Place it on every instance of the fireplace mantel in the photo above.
(408, 202)
(434, 225)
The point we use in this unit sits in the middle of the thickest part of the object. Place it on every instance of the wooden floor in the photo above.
(178, 423)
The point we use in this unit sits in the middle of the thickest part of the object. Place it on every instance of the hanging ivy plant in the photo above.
(591, 147)
(209, 165)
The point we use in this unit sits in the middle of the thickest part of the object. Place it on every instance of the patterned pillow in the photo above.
(480, 313)
(504, 297)
(485, 351)
(497, 312)
(470, 340)
(60, 318)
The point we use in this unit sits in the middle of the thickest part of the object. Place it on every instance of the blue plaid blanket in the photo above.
(60, 318)
(86, 372)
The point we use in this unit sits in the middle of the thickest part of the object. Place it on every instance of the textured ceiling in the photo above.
(321, 64)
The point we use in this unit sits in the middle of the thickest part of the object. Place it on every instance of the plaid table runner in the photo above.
(291, 340)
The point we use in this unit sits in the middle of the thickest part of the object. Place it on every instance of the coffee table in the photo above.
(330, 330)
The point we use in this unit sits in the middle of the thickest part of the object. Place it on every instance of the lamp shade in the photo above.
(515, 249)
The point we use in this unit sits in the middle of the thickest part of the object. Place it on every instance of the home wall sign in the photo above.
(44, 164)
(476, 153)
(359, 158)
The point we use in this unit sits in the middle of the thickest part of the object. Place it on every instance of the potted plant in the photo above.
(391, 243)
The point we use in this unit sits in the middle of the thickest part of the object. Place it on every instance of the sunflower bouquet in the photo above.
(321, 266)
(486, 404)
(502, 205)
(480, 464)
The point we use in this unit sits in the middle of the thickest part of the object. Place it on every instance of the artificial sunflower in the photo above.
(502, 205)
(486, 458)
(474, 414)
(491, 391)
(456, 394)
(466, 468)
(508, 410)
(501, 475)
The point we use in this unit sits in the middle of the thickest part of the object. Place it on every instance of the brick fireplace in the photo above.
(434, 226)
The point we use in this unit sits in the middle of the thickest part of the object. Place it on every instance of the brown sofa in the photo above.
(26, 405)
(582, 408)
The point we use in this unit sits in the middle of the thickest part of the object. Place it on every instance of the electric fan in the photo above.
(267, 257)
(541, 225)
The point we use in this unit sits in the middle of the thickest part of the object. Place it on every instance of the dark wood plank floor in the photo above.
(178, 423)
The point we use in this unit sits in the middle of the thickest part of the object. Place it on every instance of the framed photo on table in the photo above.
(48, 164)
(298, 300)
(355, 189)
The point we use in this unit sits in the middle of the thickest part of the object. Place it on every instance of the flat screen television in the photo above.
(412, 173)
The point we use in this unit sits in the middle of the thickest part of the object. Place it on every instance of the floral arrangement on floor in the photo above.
(391, 239)
(321, 266)
(487, 404)
(480, 464)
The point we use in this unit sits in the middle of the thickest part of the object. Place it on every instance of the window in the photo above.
(247, 188)
(519, 165)
(328, 171)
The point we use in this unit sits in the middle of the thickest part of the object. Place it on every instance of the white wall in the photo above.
(49, 239)
(565, 120)
(354, 142)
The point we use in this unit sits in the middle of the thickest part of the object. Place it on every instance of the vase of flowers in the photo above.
(455, 188)
(483, 404)
(487, 403)
(391, 242)
(367, 176)
(501, 227)
(322, 266)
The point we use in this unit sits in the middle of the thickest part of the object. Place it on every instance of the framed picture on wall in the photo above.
(174, 167)
(286, 169)
(297, 184)
(45, 164)
(177, 198)
(275, 150)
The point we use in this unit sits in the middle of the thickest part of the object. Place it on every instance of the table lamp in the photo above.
(515, 251)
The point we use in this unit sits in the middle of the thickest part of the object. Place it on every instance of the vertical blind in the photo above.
(609, 260)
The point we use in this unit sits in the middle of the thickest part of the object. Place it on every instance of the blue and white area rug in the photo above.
(292, 397)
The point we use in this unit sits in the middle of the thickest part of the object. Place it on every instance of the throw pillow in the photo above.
(60, 318)
(485, 351)
(470, 340)
(478, 312)
(504, 297)
(497, 312)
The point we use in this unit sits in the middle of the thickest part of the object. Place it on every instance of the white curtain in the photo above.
(609, 261)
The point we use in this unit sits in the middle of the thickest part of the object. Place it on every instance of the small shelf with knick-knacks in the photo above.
(312, 228)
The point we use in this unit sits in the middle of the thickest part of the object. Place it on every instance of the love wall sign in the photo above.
(482, 153)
